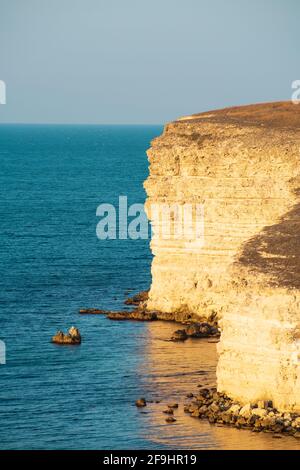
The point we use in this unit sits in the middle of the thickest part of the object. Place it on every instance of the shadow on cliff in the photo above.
(275, 251)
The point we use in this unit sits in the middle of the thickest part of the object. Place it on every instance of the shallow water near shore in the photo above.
(52, 264)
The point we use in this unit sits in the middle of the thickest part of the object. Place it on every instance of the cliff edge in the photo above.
(242, 166)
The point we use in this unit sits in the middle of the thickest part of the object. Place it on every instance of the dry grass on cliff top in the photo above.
(280, 115)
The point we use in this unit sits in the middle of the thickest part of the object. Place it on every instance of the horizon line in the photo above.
(78, 124)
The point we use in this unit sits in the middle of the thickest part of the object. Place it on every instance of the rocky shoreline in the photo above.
(218, 408)
(141, 313)
(207, 403)
(194, 327)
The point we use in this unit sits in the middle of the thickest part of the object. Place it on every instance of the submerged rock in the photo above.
(170, 419)
(179, 335)
(173, 406)
(168, 411)
(137, 315)
(141, 403)
(196, 330)
(92, 311)
(72, 337)
(202, 330)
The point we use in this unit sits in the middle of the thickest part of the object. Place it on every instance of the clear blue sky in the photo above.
(143, 61)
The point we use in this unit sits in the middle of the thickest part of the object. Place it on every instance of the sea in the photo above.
(52, 264)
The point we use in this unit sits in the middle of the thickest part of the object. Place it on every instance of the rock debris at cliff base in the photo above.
(218, 408)
(193, 327)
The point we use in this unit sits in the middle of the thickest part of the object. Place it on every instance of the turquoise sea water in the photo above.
(52, 178)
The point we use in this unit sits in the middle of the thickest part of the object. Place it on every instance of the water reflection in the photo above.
(170, 371)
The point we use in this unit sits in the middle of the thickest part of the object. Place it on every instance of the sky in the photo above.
(143, 61)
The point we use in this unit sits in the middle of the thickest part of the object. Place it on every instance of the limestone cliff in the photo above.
(242, 164)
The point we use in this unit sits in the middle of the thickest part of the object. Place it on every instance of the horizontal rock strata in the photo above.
(242, 166)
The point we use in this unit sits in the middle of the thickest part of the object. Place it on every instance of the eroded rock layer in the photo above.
(242, 165)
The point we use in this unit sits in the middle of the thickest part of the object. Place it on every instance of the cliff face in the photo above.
(242, 165)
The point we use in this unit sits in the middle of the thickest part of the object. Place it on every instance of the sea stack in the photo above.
(242, 165)
(72, 337)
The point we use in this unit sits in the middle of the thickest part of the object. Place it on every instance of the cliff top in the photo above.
(282, 114)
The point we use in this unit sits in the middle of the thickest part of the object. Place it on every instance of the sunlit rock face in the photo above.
(242, 164)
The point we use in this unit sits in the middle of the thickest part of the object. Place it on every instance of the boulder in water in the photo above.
(72, 337)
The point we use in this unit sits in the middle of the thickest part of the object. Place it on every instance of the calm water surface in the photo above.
(52, 179)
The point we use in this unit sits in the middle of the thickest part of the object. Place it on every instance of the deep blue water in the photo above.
(52, 179)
